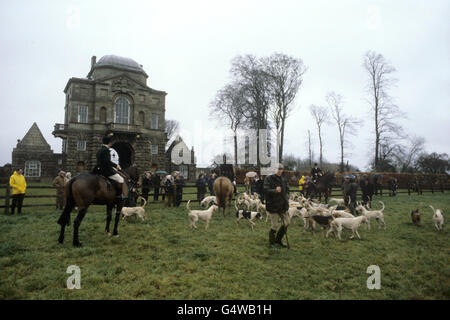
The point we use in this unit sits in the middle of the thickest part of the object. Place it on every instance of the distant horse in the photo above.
(223, 190)
(322, 186)
(88, 188)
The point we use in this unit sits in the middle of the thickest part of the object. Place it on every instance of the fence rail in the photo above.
(335, 192)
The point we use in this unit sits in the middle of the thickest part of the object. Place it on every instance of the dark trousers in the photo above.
(178, 198)
(200, 196)
(17, 201)
(145, 194)
(156, 193)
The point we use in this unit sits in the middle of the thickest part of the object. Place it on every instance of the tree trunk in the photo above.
(235, 149)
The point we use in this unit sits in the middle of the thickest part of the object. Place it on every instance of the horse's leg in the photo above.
(116, 220)
(64, 219)
(109, 209)
(76, 226)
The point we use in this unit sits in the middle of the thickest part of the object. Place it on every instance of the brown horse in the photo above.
(86, 189)
(223, 190)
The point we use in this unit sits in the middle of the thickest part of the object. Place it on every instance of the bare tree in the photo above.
(345, 123)
(228, 106)
(249, 72)
(385, 112)
(407, 155)
(310, 151)
(172, 127)
(286, 76)
(320, 115)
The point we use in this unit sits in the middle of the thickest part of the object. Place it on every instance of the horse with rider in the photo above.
(106, 185)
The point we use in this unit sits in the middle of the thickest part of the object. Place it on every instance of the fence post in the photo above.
(7, 194)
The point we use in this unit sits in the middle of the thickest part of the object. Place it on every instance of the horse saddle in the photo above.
(109, 183)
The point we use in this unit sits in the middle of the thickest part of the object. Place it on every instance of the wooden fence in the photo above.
(335, 192)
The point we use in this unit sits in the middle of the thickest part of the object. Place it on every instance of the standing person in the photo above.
(353, 189)
(316, 172)
(277, 204)
(156, 182)
(260, 188)
(146, 184)
(346, 190)
(363, 186)
(68, 177)
(211, 180)
(108, 168)
(301, 185)
(18, 185)
(366, 190)
(253, 184)
(200, 183)
(59, 183)
(179, 184)
(169, 190)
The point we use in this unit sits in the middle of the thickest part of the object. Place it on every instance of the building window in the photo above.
(102, 115)
(33, 168)
(142, 118)
(155, 118)
(83, 114)
(154, 149)
(81, 146)
(122, 111)
(184, 172)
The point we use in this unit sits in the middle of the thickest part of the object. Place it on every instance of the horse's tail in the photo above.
(70, 204)
(221, 200)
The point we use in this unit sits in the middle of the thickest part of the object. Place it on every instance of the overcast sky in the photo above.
(186, 48)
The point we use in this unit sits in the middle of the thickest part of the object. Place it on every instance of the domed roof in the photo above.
(119, 62)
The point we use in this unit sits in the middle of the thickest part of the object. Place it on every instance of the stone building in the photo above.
(114, 99)
(184, 161)
(35, 156)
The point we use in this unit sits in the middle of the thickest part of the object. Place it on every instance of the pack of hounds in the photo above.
(331, 219)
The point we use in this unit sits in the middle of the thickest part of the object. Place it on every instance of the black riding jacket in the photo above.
(276, 202)
(104, 163)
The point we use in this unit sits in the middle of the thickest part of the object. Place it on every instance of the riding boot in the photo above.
(272, 237)
(124, 194)
(280, 234)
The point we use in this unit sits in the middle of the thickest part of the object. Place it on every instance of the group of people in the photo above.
(255, 185)
(169, 186)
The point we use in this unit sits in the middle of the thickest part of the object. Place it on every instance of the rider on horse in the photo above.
(315, 172)
(108, 168)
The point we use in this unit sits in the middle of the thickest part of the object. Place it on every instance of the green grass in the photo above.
(162, 258)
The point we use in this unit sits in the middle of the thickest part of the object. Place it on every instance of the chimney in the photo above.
(93, 61)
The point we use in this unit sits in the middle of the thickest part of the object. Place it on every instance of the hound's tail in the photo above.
(382, 205)
(187, 206)
(432, 208)
(145, 202)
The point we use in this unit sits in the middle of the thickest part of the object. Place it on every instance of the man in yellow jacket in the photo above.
(18, 187)
(301, 184)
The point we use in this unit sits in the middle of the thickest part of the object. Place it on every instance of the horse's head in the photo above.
(327, 178)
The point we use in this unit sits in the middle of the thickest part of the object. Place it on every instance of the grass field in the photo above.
(162, 258)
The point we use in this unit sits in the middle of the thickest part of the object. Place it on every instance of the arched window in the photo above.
(32, 168)
(102, 115)
(122, 111)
